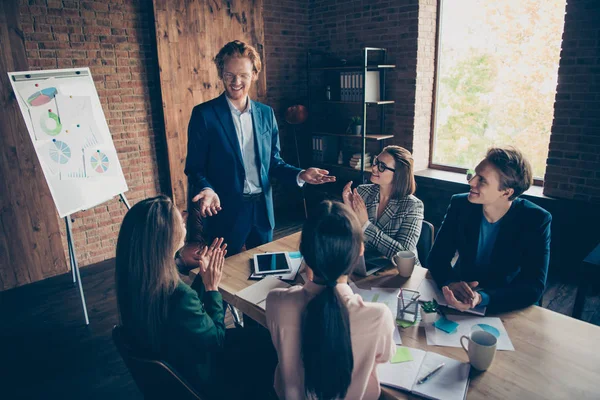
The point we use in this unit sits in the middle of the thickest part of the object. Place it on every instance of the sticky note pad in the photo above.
(445, 325)
(404, 324)
(295, 254)
(402, 355)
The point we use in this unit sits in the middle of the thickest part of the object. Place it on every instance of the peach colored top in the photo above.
(372, 329)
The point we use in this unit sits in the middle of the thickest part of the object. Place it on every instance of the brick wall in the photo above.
(425, 75)
(573, 167)
(286, 42)
(344, 28)
(116, 40)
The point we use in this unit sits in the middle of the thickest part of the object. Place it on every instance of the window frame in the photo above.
(436, 61)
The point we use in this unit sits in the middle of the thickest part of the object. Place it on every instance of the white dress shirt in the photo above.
(244, 129)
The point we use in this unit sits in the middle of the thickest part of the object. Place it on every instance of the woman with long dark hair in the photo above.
(164, 318)
(329, 340)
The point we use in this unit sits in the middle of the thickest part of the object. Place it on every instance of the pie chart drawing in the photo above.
(486, 328)
(50, 124)
(60, 152)
(100, 162)
(42, 97)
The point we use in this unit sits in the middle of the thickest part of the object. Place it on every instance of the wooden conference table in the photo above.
(555, 357)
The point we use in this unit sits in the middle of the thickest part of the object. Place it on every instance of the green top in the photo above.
(195, 333)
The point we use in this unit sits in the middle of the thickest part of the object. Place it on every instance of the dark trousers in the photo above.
(250, 226)
(247, 365)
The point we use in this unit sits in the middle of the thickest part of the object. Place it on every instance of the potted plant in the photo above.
(429, 312)
(470, 174)
(356, 124)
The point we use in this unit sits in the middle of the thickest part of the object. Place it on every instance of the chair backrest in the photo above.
(425, 242)
(154, 378)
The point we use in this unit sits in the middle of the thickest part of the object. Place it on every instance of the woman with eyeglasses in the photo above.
(163, 318)
(388, 211)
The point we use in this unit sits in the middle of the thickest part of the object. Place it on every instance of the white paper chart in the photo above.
(70, 135)
(466, 325)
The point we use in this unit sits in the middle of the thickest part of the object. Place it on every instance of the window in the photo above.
(495, 79)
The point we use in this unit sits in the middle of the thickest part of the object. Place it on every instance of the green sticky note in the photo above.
(402, 355)
(375, 298)
(404, 324)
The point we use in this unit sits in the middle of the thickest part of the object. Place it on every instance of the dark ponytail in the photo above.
(331, 243)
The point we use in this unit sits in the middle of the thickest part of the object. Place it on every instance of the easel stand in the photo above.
(73, 258)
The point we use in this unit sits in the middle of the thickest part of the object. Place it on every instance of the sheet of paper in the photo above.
(389, 297)
(257, 293)
(402, 355)
(449, 383)
(401, 375)
(466, 325)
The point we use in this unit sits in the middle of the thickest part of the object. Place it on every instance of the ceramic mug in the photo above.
(404, 262)
(481, 349)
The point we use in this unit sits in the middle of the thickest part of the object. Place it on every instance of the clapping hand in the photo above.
(347, 194)
(359, 207)
(211, 263)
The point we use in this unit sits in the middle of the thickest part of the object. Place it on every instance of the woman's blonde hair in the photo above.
(146, 274)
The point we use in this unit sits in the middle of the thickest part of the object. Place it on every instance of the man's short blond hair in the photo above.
(237, 49)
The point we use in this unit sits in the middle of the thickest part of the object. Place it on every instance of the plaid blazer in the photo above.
(399, 226)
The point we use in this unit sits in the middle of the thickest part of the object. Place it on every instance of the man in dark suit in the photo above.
(233, 151)
(503, 241)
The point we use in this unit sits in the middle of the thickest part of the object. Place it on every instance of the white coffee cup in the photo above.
(481, 349)
(404, 262)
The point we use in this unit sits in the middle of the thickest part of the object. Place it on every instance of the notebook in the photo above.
(449, 383)
(257, 293)
(429, 291)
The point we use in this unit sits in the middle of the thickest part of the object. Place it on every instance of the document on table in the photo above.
(389, 297)
(449, 383)
(429, 291)
(466, 325)
(257, 293)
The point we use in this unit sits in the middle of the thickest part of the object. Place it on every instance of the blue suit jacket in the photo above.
(214, 159)
(516, 277)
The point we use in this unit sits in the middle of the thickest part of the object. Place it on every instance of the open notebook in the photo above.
(449, 383)
(429, 290)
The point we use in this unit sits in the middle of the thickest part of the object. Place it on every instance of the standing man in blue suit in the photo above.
(233, 151)
(503, 241)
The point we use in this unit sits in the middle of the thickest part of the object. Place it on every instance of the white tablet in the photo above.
(272, 263)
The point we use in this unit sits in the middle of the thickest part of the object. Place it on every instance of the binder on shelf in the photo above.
(360, 87)
(354, 86)
(372, 92)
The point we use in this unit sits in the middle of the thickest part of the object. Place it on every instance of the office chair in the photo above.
(155, 379)
(425, 242)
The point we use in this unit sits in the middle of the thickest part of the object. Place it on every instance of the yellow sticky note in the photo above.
(402, 355)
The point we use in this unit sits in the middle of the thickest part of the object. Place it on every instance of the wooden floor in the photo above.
(46, 351)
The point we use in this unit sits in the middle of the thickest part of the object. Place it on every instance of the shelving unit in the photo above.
(320, 66)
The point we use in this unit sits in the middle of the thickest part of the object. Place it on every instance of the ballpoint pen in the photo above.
(429, 375)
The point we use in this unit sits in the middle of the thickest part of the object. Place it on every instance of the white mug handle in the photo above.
(462, 344)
